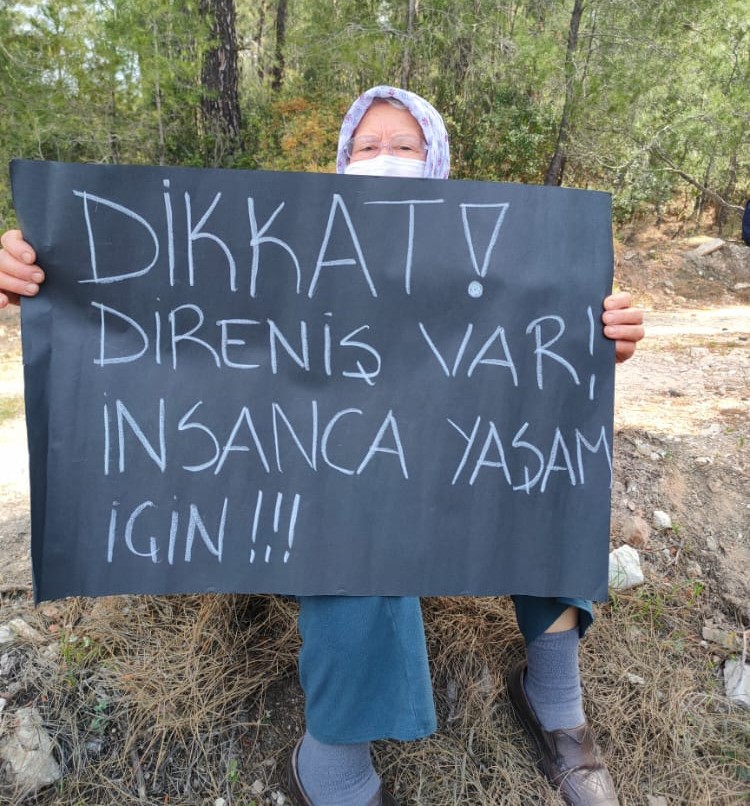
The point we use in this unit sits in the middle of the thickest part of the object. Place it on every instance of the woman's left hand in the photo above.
(622, 323)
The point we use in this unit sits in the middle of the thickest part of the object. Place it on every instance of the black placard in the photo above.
(315, 384)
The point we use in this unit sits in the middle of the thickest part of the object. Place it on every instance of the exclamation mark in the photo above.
(592, 330)
(292, 523)
(256, 520)
(276, 518)
(476, 289)
(277, 512)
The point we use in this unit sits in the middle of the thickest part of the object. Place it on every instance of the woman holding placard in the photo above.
(363, 662)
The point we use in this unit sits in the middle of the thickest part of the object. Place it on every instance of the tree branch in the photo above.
(657, 152)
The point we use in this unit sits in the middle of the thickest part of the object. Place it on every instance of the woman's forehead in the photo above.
(382, 117)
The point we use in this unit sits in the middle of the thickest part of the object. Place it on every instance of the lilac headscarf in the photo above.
(438, 160)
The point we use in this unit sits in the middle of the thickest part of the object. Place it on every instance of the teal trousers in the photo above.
(364, 669)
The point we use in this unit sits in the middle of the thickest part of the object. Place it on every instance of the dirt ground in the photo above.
(683, 411)
(682, 437)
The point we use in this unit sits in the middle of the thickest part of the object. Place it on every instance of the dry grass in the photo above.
(181, 700)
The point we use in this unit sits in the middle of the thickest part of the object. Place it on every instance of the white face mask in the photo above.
(386, 165)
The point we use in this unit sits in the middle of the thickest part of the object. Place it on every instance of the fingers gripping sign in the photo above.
(19, 274)
(622, 323)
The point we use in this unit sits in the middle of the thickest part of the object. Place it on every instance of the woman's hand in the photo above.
(622, 323)
(19, 274)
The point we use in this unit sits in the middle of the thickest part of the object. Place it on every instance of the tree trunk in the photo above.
(559, 158)
(111, 135)
(259, 44)
(702, 199)
(220, 107)
(157, 97)
(711, 194)
(729, 191)
(278, 62)
(411, 14)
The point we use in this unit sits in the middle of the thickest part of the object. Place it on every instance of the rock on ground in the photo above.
(27, 751)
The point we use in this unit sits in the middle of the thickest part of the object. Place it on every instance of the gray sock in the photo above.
(552, 682)
(337, 774)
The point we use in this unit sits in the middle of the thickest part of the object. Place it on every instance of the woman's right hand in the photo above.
(19, 274)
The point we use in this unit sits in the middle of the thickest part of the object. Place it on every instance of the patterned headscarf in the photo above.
(438, 160)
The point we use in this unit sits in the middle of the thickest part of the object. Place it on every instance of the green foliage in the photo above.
(107, 81)
(77, 652)
(509, 139)
(655, 606)
(76, 655)
(100, 717)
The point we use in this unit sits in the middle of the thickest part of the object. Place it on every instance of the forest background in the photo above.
(647, 99)
(194, 700)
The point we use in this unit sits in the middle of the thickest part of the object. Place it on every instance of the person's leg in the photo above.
(551, 628)
(336, 774)
(364, 671)
(545, 692)
(537, 614)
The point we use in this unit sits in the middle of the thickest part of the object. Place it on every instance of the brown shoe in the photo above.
(569, 758)
(301, 798)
